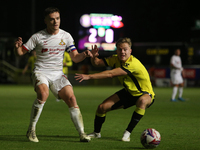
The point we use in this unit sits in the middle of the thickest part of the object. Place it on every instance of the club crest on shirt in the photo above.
(126, 64)
(62, 43)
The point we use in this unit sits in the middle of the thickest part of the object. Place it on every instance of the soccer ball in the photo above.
(150, 138)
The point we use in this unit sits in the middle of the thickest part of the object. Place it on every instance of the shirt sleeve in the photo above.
(110, 61)
(70, 45)
(31, 43)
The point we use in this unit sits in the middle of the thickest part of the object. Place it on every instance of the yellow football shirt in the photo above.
(67, 59)
(31, 62)
(137, 80)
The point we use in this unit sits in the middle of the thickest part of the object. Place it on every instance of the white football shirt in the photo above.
(175, 74)
(50, 49)
(176, 61)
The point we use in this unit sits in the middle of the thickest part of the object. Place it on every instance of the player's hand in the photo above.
(64, 64)
(95, 51)
(81, 77)
(88, 53)
(18, 42)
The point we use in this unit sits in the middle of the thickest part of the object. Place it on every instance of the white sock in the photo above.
(180, 92)
(77, 119)
(174, 92)
(35, 113)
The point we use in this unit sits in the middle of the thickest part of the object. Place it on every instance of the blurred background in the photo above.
(156, 28)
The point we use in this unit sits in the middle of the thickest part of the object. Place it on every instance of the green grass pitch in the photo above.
(177, 122)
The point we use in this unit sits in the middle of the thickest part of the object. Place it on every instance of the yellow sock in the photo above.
(140, 111)
(100, 115)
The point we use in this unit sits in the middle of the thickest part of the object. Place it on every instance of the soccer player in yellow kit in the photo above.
(31, 62)
(67, 62)
(135, 79)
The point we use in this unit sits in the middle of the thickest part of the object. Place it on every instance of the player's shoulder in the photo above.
(135, 62)
(174, 56)
(39, 34)
(42, 32)
(112, 57)
(133, 58)
(61, 31)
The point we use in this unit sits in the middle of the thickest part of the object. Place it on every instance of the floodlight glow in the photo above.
(85, 20)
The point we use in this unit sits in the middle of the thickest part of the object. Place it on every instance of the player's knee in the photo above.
(143, 102)
(42, 95)
(70, 100)
(101, 109)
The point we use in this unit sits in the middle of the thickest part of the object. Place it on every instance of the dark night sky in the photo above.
(145, 20)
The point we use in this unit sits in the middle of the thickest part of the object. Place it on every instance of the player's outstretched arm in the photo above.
(18, 47)
(95, 60)
(101, 75)
(78, 57)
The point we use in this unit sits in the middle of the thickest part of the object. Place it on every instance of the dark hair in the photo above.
(50, 10)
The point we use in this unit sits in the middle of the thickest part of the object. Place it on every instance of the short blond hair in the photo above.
(124, 40)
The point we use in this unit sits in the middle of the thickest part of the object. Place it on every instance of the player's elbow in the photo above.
(20, 51)
(95, 64)
(75, 60)
(17, 53)
(20, 54)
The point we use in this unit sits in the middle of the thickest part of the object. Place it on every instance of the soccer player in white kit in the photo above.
(176, 76)
(50, 45)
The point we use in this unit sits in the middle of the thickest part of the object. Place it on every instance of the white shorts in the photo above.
(55, 80)
(176, 77)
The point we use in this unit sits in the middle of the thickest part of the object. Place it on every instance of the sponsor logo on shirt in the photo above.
(44, 50)
(52, 51)
(45, 42)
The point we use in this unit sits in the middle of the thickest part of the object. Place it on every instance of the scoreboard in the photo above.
(100, 29)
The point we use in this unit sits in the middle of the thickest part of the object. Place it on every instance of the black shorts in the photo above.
(126, 99)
